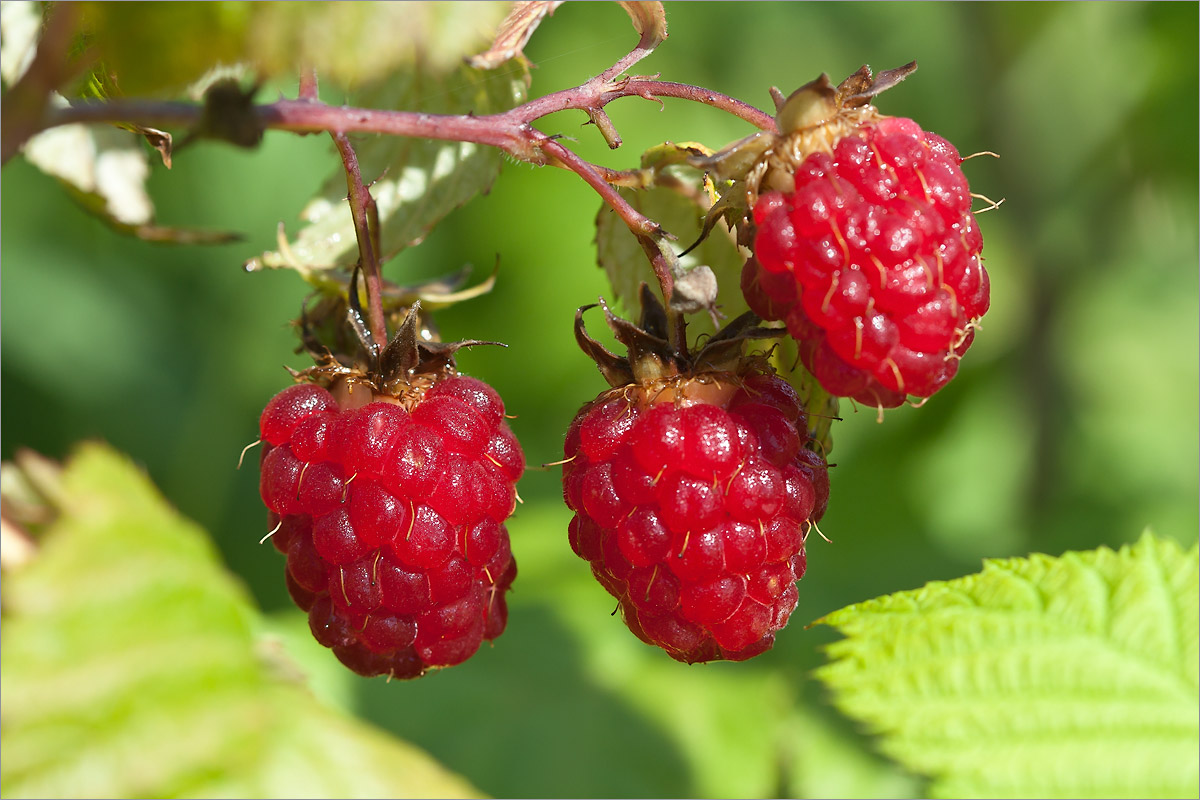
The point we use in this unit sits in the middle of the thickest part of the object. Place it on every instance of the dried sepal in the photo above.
(614, 368)
(651, 358)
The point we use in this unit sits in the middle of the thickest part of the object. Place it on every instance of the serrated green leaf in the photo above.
(1074, 676)
(624, 262)
(415, 182)
(130, 669)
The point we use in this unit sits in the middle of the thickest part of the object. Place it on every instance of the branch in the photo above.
(511, 131)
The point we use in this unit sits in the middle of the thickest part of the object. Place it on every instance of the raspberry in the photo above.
(391, 513)
(693, 490)
(864, 243)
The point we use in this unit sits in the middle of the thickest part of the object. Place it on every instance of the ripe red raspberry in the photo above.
(693, 491)
(390, 507)
(865, 244)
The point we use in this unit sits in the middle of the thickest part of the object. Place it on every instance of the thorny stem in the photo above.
(361, 206)
(511, 131)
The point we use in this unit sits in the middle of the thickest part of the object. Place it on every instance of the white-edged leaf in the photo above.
(415, 182)
(20, 24)
(1074, 676)
(107, 165)
(130, 669)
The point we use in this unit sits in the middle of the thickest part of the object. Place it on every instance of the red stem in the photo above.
(361, 206)
(510, 131)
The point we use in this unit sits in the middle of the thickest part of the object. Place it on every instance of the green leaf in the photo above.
(353, 44)
(681, 214)
(130, 669)
(161, 48)
(102, 167)
(1074, 676)
(415, 182)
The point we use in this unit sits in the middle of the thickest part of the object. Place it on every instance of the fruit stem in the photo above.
(654, 247)
(363, 210)
(639, 223)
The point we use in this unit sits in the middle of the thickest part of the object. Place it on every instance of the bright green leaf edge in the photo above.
(130, 668)
(1074, 676)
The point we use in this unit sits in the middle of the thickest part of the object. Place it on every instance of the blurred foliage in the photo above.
(161, 48)
(131, 668)
(1072, 423)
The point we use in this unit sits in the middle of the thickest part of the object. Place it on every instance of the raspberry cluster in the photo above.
(391, 516)
(874, 262)
(693, 492)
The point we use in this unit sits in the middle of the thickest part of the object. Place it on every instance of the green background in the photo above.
(1073, 422)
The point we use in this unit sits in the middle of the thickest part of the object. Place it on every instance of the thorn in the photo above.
(246, 449)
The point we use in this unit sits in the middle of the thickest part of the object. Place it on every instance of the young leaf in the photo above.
(1074, 676)
(514, 32)
(649, 20)
(416, 182)
(130, 669)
